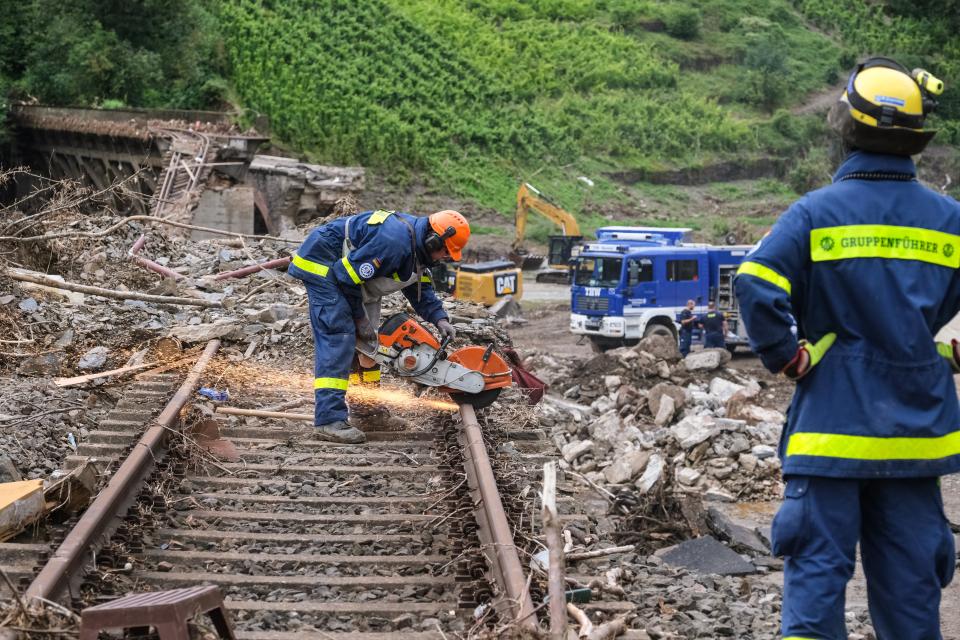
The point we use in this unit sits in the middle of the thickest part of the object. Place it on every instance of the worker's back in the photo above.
(872, 258)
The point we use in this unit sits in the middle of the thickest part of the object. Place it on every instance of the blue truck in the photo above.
(633, 282)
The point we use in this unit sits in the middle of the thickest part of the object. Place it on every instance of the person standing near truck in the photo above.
(714, 325)
(874, 421)
(687, 320)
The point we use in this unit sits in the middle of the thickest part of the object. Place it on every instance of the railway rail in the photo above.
(405, 536)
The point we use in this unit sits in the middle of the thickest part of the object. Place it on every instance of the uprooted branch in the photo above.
(141, 218)
(47, 281)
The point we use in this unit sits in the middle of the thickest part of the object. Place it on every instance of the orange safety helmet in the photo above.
(451, 228)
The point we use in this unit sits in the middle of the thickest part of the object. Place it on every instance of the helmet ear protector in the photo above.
(436, 242)
(887, 115)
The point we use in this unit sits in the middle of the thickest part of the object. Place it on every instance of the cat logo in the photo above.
(505, 284)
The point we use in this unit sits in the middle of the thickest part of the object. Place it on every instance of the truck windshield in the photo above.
(597, 272)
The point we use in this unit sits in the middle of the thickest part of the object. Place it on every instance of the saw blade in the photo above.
(477, 400)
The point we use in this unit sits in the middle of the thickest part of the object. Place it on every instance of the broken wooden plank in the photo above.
(21, 504)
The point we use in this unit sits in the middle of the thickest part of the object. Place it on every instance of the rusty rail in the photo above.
(494, 530)
(102, 517)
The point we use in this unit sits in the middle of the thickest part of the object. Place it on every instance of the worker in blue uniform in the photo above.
(867, 267)
(714, 325)
(687, 320)
(348, 265)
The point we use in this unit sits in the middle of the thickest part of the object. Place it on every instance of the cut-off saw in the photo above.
(472, 375)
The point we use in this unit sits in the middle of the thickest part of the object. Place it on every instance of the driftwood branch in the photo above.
(146, 219)
(53, 283)
(552, 530)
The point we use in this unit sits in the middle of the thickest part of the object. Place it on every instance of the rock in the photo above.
(204, 332)
(46, 365)
(94, 358)
(706, 555)
(660, 347)
(651, 474)
(661, 389)
(8, 471)
(504, 307)
(748, 462)
(574, 450)
(714, 494)
(626, 467)
(706, 360)
(663, 370)
(275, 313)
(755, 415)
(739, 536)
(612, 382)
(763, 451)
(627, 394)
(29, 305)
(666, 411)
(688, 476)
(693, 430)
(724, 389)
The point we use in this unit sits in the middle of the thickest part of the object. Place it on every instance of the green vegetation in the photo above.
(919, 33)
(146, 53)
(474, 96)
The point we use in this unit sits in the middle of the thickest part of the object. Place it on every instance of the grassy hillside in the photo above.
(479, 95)
(471, 97)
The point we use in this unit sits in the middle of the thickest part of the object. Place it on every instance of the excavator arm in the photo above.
(529, 198)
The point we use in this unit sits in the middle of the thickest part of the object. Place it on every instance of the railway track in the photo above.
(405, 536)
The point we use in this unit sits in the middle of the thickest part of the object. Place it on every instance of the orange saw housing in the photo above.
(400, 331)
(496, 373)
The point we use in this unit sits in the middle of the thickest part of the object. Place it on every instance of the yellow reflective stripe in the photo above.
(945, 350)
(311, 266)
(885, 241)
(835, 445)
(371, 376)
(817, 349)
(354, 378)
(426, 279)
(330, 383)
(350, 272)
(378, 216)
(396, 276)
(757, 270)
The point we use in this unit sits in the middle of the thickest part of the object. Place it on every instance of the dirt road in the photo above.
(546, 309)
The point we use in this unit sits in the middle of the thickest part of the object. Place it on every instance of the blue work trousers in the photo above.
(713, 341)
(334, 338)
(686, 337)
(906, 547)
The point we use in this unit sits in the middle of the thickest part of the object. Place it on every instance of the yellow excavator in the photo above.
(560, 247)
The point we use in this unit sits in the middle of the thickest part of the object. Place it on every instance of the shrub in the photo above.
(811, 172)
(682, 22)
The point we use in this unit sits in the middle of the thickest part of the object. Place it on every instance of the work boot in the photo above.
(340, 431)
(372, 418)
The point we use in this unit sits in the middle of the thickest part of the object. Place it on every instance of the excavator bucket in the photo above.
(526, 261)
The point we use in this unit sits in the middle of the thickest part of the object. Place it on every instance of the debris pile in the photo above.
(634, 416)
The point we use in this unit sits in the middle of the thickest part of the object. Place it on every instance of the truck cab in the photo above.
(634, 281)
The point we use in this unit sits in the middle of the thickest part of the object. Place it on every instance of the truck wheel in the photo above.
(659, 330)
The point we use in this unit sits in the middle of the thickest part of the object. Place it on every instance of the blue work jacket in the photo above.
(383, 248)
(872, 258)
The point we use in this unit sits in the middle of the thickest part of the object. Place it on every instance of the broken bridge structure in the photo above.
(193, 167)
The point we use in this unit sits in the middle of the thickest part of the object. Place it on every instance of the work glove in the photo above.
(951, 352)
(365, 331)
(807, 356)
(446, 329)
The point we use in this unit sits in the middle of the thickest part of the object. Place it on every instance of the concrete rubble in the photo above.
(707, 424)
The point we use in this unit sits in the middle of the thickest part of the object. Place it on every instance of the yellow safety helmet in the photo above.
(884, 108)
